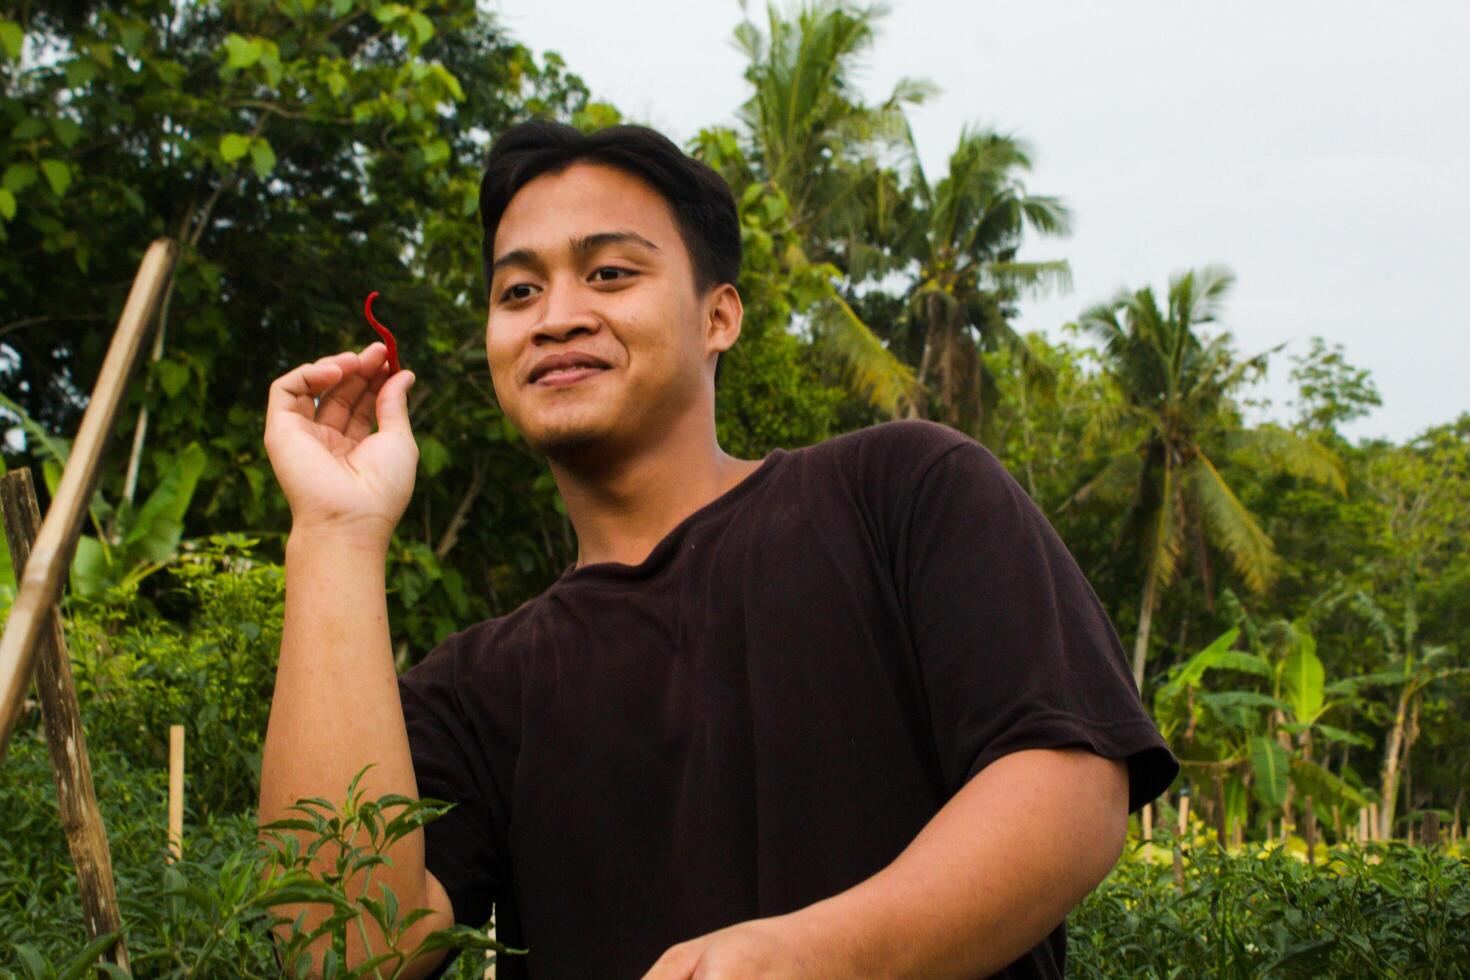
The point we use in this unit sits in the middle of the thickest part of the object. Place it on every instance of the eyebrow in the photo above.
(585, 245)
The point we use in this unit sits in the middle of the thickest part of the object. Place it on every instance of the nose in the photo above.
(567, 317)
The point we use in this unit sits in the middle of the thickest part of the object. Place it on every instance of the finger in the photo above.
(365, 411)
(677, 963)
(295, 391)
(335, 407)
(392, 404)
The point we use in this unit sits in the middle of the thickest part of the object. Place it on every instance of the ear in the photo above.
(723, 315)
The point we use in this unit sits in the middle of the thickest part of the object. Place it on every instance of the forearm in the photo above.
(988, 878)
(336, 707)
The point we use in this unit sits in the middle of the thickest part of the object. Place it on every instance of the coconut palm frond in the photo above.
(1163, 531)
(1033, 278)
(1244, 542)
(1114, 482)
(1048, 215)
(1273, 448)
(1199, 293)
(873, 371)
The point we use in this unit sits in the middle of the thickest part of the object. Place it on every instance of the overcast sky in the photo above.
(1319, 149)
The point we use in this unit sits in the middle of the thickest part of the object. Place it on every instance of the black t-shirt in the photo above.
(767, 709)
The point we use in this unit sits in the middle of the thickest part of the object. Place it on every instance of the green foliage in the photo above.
(1332, 391)
(201, 653)
(1386, 912)
(211, 914)
(334, 867)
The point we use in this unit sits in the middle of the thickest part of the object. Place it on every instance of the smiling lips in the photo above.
(560, 370)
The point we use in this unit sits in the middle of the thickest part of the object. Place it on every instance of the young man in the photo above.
(847, 711)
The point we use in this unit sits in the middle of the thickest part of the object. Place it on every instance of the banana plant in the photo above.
(128, 543)
(1256, 737)
(1413, 668)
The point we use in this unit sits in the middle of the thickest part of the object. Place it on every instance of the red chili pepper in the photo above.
(384, 332)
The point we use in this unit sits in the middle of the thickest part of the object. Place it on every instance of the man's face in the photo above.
(597, 339)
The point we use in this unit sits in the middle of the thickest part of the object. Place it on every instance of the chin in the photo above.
(570, 442)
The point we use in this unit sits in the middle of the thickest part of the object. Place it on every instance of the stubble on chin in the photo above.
(566, 448)
(572, 443)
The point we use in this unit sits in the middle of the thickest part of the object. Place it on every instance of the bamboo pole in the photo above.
(81, 821)
(175, 792)
(41, 583)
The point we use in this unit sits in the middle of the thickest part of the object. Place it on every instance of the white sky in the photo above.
(1319, 149)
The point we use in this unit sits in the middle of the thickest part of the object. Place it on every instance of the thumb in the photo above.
(393, 403)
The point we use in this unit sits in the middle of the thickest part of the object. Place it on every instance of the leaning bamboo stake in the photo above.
(81, 821)
(175, 792)
(41, 583)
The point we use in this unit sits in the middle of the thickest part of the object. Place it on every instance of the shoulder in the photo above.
(895, 456)
(491, 645)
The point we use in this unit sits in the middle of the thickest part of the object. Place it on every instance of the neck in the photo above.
(621, 511)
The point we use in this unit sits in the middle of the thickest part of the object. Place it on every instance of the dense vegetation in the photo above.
(1294, 600)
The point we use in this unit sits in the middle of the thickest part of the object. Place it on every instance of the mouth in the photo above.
(562, 377)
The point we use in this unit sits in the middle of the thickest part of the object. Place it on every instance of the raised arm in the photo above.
(336, 707)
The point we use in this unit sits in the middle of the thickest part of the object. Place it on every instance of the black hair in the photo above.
(703, 207)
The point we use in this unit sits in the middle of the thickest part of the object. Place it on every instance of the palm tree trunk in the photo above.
(1388, 783)
(926, 360)
(1309, 811)
(1145, 620)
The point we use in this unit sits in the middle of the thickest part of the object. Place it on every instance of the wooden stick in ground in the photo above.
(81, 821)
(175, 792)
(44, 575)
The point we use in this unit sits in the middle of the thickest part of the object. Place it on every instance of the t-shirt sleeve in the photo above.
(462, 849)
(1015, 651)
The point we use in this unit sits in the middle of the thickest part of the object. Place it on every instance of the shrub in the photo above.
(1382, 910)
(210, 914)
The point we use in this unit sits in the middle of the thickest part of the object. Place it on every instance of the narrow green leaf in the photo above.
(91, 572)
(1304, 677)
(1272, 769)
(156, 531)
(85, 961)
(7, 204)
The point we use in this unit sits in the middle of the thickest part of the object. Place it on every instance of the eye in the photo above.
(519, 291)
(611, 273)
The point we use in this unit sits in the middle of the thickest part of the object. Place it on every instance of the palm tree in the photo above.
(811, 135)
(1174, 390)
(963, 235)
(1413, 668)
